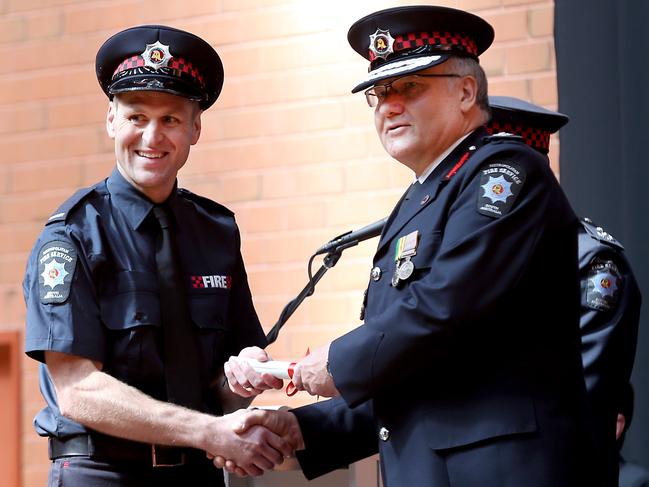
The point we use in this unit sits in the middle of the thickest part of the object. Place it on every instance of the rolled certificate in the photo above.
(279, 369)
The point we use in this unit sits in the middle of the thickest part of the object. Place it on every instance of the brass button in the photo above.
(376, 273)
(384, 433)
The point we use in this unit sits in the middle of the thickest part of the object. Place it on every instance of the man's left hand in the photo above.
(242, 378)
(311, 374)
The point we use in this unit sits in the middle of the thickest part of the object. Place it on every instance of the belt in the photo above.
(112, 449)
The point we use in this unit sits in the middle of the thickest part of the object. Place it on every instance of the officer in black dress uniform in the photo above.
(464, 373)
(136, 291)
(610, 296)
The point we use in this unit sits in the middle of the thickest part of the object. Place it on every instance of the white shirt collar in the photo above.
(428, 171)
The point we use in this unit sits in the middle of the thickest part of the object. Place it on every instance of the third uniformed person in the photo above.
(610, 296)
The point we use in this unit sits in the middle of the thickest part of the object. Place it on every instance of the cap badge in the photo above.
(381, 43)
(156, 55)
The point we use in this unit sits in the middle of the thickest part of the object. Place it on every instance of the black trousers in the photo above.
(85, 472)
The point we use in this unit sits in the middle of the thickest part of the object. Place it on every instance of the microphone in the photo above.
(352, 238)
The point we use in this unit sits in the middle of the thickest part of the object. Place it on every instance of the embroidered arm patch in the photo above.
(500, 184)
(56, 263)
(603, 285)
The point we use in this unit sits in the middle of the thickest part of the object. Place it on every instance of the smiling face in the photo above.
(153, 132)
(416, 125)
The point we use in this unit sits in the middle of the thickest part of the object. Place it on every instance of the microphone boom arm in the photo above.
(334, 249)
(330, 260)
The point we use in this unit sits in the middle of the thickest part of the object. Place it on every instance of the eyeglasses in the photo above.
(407, 86)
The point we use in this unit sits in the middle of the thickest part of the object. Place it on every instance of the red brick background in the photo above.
(286, 146)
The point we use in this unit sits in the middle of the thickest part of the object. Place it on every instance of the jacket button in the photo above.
(384, 433)
(376, 273)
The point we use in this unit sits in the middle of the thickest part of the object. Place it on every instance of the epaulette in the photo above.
(501, 137)
(205, 202)
(62, 212)
(598, 233)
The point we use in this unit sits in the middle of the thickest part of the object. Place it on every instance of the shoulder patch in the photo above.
(603, 284)
(205, 202)
(598, 233)
(57, 261)
(62, 212)
(500, 184)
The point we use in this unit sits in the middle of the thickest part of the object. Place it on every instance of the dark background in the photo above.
(603, 75)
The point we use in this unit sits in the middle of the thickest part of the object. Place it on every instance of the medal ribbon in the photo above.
(398, 249)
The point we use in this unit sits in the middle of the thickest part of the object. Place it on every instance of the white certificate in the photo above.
(276, 368)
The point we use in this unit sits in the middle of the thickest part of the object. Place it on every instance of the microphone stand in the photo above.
(329, 261)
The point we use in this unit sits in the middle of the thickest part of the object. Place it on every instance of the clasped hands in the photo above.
(267, 437)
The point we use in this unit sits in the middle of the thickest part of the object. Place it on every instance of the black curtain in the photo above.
(603, 75)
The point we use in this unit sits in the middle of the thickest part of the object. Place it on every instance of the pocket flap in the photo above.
(130, 300)
(130, 309)
(453, 425)
(427, 249)
(209, 310)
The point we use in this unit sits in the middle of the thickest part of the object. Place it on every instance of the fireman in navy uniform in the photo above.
(610, 296)
(464, 372)
(94, 282)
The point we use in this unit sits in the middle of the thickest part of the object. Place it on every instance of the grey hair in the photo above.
(467, 66)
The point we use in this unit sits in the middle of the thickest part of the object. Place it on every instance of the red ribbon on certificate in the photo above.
(291, 390)
(281, 370)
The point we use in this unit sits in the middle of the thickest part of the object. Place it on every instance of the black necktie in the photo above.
(179, 349)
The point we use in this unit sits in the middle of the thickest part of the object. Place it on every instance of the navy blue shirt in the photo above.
(91, 290)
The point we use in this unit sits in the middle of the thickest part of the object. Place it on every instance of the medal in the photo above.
(395, 277)
(405, 270)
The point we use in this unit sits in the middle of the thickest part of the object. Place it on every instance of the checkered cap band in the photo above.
(534, 137)
(441, 39)
(178, 64)
(445, 41)
(197, 282)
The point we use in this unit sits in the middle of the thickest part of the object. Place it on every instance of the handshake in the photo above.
(256, 439)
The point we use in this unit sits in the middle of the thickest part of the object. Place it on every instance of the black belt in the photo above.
(112, 449)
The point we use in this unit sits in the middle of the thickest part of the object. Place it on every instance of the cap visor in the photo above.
(165, 84)
(399, 68)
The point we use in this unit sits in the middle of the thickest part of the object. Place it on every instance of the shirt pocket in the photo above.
(130, 311)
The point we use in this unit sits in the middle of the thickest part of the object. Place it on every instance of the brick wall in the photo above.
(286, 146)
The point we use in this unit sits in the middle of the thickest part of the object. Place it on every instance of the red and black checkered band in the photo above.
(537, 138)
(440, 41)
(197, 282)
(175, 67)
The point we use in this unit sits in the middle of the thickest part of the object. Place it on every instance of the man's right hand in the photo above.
(282, 423)
(243, 438)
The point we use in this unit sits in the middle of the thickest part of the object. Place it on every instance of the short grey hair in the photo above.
(467, 66)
